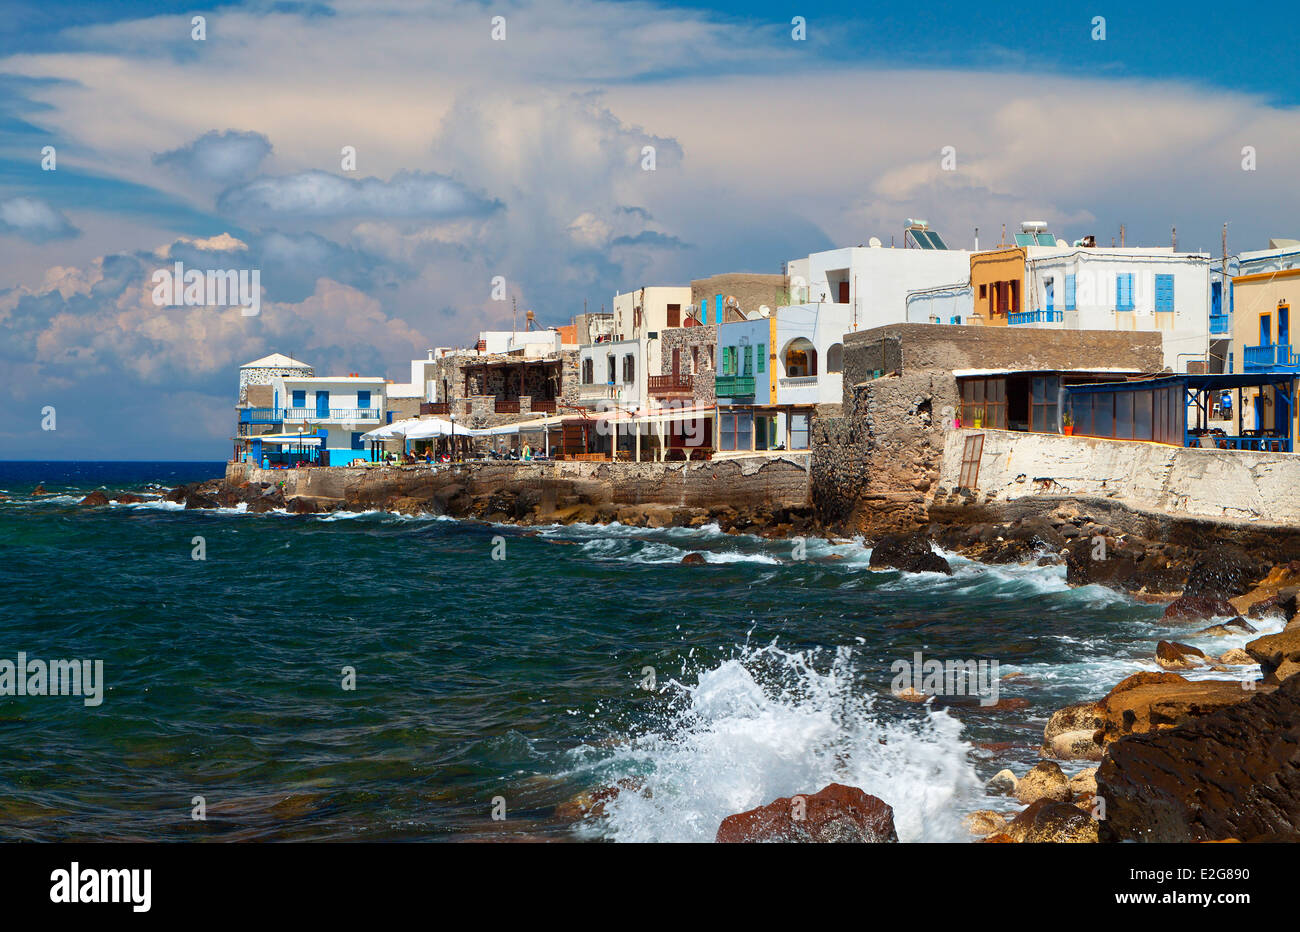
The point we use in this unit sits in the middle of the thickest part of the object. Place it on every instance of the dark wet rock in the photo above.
(197, 499)
(1224, 571)
(1052, 821)
(1118, 564)
(177, 494)
(836, 813)
(94, 499)
(1232, 774)
(1231, 626)
(694, 559)
(128, 498)
(1189, 608)
(40, 490)
(910, 553)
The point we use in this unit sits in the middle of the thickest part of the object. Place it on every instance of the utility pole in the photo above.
(1173, 232)
(1121, 234)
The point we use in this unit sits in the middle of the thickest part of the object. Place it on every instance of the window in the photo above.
(800, 359)
(588, 375)
(300, 398)
(1049, 288)
(835, 356)
(1164, 292)
(1069, 292)
(629, 369)
(984, 400)
(749, 361)
(357, 442)
(984, 292)
(761, 357)
(363, 401)
(799, 431)
(728, 363)
(1043, 398)
(674, 315)
(736, 430)
(609, 359)
(1124, 291)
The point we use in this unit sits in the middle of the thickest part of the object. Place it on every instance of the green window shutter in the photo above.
(762, 356)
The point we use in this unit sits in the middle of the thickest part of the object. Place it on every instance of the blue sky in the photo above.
(522, 158)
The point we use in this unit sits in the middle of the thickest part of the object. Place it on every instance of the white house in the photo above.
(345, 406)
(809, 351)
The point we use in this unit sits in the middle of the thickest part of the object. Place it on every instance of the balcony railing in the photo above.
(1270, 356)
(733, 386)
(1262, 444)
(1036, 317)
(668, 384)
(435, 407)
(544, 405)
(277, 415)
(1220, 324)
(506, 407)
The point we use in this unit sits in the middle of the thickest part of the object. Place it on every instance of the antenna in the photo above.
(1173, 233)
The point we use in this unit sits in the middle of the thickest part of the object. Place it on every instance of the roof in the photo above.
(276, 361)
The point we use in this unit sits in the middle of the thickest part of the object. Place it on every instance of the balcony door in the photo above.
(1283, 325)
(323, 405)
(1265, 329)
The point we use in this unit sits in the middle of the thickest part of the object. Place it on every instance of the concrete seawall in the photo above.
(1149, 478)
(759, 481)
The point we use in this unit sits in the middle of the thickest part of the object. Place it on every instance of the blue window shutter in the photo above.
(1069, 292)
(300, 398)
(1051, 294)
(1164, 292)
(363, 399)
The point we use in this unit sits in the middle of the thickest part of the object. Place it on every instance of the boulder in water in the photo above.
(910, 553)
(694, 559)
(95, 498)
(836, 813)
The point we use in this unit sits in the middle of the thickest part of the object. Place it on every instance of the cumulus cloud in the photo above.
(223, 157)
(323, 195)
(34, 220)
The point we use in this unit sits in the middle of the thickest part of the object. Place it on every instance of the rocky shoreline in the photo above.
(1176, 759)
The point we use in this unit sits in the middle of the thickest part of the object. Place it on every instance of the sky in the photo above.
(523, 158)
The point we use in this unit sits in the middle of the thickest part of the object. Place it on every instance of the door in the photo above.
(1050, 295)
(323, 405)
(677, 364)
(1265, 329)
(844, 293)
(1284, 325)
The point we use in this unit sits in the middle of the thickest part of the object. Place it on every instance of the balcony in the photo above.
(672, 384)
(1258, 441)
(1036, 317)
(506, 407)
(260, 415)
(1220, 324)
(1270, 357)
(544, 405)
(435, 407)
(333, 415)
(733, 386)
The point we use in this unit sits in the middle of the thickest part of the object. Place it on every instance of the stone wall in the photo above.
(1153, 478)
(736, 482)
(751, 290)
(704, 340)
(265, 375)
(539, 382)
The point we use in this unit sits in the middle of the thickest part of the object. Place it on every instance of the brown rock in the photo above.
(39, 490)
(1045, 780)
(1273, 649)
(1285, 670)
(1076, 745)
(836, 813)
(694, 559)
(95, 499)
(1175, 656)
(1050, 821)
(1084, 783)
(1078, 717)
(1190, 608)
(910, 553)
(1000, 839)
(1236, 657)
(984, 822)
(128, 498)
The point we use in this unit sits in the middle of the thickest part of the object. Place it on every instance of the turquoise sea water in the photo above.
(477, 678)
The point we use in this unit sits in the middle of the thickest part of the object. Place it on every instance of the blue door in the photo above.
(1265, 329)
(323, 405)
(1283, 325)
(1051, 295)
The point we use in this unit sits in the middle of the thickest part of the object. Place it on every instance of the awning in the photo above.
(306, 440)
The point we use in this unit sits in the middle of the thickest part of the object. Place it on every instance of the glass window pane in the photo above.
(1142, 415)
(1124, 415)
(1103, 418)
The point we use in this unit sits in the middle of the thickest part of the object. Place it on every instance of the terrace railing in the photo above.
(1220, 324)
(733, 386)
(667, 384)
(1036, 317)
(1221, 442)
(1270, 356)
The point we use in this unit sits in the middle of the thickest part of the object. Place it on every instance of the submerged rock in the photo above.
(694, 559)
(985, 822)
(1234, 773)
(1188, 608)
(910, 553)
(1002, 783)
(836, 813)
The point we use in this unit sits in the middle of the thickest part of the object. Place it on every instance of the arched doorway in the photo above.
(800, 358)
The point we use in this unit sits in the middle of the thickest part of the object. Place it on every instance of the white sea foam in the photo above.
(767, 724)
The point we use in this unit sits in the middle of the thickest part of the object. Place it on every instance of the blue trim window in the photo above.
(357, 442)
(363, 401)
(1049, 290)
(1069, 292)
(1124, 291)
(1164, 292)
(300, 398)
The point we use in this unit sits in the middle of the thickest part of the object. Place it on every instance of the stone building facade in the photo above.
(493, 389)
(696, 350)
(875, 467)
(752, 290)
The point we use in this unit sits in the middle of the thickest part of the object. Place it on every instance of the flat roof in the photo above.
(1209, 382)
(1092, 370)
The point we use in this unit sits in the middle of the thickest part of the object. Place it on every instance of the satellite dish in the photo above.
(1061, 242)
(874, 242)
(765, 311)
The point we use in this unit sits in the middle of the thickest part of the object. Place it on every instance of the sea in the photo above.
(379, 677)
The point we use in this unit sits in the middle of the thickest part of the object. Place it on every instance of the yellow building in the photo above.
(1261, 343)
(997, 280)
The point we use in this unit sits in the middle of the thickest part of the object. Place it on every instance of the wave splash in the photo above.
(768, 724)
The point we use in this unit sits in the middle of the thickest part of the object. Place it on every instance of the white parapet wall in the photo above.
(1157, 478)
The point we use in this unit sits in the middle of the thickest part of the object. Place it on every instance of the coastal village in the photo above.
(1127, 412)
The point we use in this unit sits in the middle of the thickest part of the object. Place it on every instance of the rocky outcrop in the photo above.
(910, 553)
(1172, 655)
(94, 499)
(1190, 608)
(1223, 570)
(836, 813)
(1152, 701)
(1234, 773)
(694, 559)
(1278, 655)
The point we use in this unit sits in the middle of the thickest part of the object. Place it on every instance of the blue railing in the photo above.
(277, 415)
(1219, 442)
(1220, 323)
(1036, 317)
(1270, 356)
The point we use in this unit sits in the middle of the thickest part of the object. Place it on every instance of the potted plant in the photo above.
(1067, 423)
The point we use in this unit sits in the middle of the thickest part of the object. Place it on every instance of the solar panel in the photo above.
(938, 240)
(1025, 239)
(927, 239)
(1046, 239)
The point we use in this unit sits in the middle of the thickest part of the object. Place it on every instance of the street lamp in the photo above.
(453, 436)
